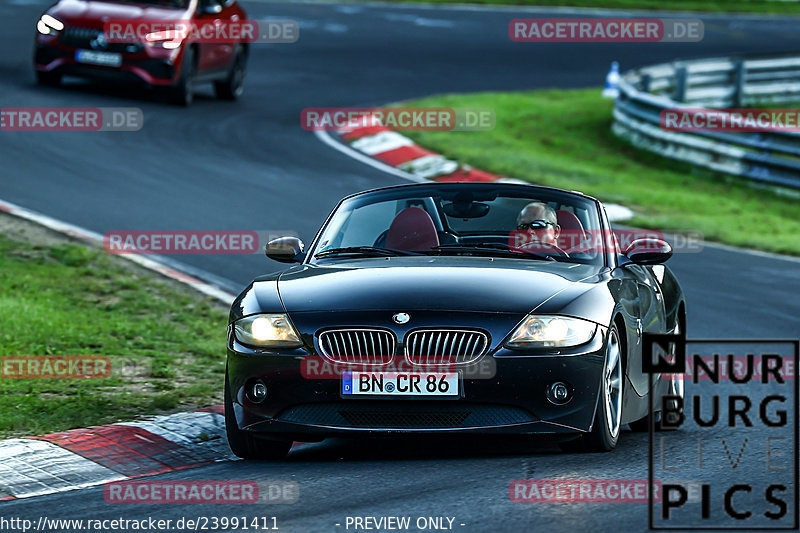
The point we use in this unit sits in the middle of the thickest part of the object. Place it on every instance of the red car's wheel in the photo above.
(48, 78)
(183, 91)
(233, 86)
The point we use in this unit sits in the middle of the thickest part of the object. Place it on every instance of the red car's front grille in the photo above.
(88, 38)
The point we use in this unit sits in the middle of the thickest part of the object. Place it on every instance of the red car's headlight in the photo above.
(49, 25)
(164, 39)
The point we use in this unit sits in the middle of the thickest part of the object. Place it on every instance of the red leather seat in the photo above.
(573, 235)
(570, 222)
(412, 230)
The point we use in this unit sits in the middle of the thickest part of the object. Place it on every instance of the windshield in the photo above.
(523, 223)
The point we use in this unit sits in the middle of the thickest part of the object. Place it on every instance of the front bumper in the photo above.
(513, 401)
(156, 67)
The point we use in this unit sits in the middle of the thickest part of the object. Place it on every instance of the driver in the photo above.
(539, 220)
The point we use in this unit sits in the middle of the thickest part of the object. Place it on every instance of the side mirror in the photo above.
(648, 251)
(285, 249)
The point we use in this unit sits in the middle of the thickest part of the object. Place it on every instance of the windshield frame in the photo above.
(436, 189)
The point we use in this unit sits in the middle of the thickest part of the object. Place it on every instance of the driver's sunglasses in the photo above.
(535, 224)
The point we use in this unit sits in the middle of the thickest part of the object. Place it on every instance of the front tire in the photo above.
(48, 79)
(675, 388)
(182, 93)
(232, 87)
(244, 444)
(608, 416)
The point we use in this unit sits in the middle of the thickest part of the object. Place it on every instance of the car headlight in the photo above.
(266, 331)
(49, 25)
(166, 39)
(551, 331)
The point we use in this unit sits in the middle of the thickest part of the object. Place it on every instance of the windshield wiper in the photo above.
(369, 251)
(492, 247)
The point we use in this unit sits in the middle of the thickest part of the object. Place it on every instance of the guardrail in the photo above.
(771, 157)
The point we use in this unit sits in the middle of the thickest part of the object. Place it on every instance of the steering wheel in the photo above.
(444, 238)
(543, 247)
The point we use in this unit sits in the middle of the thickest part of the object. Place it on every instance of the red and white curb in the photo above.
(79, 458)
(389, 151)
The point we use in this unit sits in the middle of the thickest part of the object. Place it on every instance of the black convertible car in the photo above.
(451, 308)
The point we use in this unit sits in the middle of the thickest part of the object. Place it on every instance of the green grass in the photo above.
(742, 6)
(166, 343)
(563, 139)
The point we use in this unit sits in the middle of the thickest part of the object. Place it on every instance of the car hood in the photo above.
(99, 11)
(431, 283)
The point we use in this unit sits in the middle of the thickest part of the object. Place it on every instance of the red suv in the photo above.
(77, 38)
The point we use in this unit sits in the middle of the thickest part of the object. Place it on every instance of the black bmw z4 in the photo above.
(469, 308)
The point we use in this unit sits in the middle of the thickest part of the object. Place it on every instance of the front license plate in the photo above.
(106, 59)
(357, 383)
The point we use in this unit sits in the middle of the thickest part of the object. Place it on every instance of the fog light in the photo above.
(258, 391)
(559, 393)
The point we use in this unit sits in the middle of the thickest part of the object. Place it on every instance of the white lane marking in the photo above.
(333, 27)
(326, 138)
(759, 253)
(616, 212)
(348, 9)
(430, 166)
(513, 180)
(35, 467)
(381, 142)
(201, 432)
(419, 21)
(307, 24)
(142, 260)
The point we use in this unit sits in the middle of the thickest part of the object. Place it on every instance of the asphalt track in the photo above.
(249, 165)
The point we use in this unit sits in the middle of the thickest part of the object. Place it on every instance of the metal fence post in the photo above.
(681, 75)
(737, 99)
(644, 83)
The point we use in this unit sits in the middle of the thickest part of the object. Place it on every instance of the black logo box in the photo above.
(677, 365)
